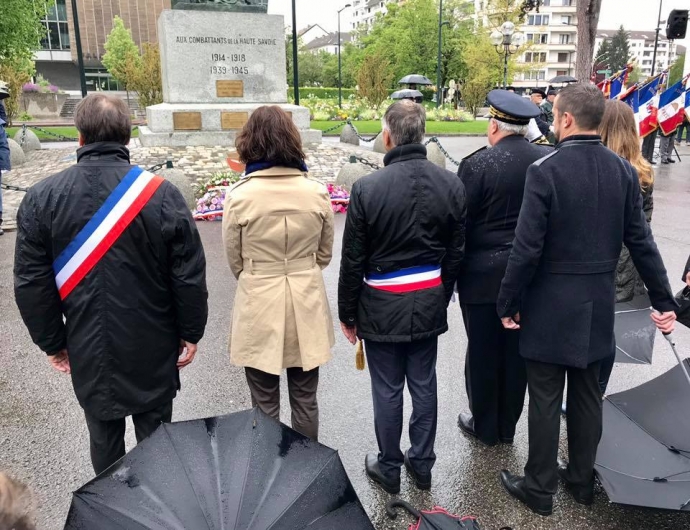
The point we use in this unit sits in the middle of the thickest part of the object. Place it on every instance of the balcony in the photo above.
(559, 47)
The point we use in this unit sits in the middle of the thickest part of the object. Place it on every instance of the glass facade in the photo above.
(57, 31)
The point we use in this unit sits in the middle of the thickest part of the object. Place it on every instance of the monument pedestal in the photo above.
(217, 68)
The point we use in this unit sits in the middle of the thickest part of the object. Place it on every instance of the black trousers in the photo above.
(546, 383)
(648, 147)
(495, 376)
(605, 373)
(108, 437)
(390, 365)
(302, 387)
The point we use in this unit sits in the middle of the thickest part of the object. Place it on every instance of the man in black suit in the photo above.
(580, 205)
(494, 182)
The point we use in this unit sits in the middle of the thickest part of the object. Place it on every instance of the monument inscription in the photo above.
(206, 60)
(187, 121)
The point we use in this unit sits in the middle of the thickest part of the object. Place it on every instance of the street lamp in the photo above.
(507, 41)
(340, 67)
(295, 64)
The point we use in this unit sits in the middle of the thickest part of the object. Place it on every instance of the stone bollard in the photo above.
(17, 156)
(179, 179)
(351, 173)
(349, 135)
(31, 141)
(378, 145)
(434, 154)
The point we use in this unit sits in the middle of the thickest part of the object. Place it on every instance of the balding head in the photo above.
(405, 123)
(102, 118)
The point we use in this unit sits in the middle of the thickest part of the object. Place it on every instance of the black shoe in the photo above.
(466, 424)
(508, 440)
(516, 487)
(671, 161)
(371, 464)
(2, 232)
(422, 481)
(582, 494)
(664, 161)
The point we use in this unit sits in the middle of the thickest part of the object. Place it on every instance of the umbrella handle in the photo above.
(399, 503)
(672, 342)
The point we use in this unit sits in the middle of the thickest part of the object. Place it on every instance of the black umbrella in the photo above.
(415, 79)
(407, 94)
(436, 519)
(635, 331)
(244, 470)
(563, 79)
(644, 453)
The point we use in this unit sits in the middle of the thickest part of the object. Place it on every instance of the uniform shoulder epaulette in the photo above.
(544, 159)
(474, 153)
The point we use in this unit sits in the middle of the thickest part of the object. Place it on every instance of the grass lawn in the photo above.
(432, 127)
(69, 132)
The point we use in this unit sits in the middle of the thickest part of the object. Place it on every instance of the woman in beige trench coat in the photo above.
(278, 235)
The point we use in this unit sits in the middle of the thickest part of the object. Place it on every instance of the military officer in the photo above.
(494, 180)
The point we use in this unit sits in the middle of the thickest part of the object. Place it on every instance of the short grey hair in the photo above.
(405, 120)
(511, 128)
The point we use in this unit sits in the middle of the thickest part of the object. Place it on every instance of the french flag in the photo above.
(687, 103)
(618, 83)
(672, 108)
(648, 105)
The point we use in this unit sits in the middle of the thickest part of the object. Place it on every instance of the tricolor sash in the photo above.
(406, 280)
(104, 228)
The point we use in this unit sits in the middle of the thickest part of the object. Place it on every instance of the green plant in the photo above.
(121, 57)
(374, 78)
(146, 81)
(25, 116)
(15, 73)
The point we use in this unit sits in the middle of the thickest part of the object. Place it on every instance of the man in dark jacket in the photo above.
(402, 249)
(494, 181)
(686, 274)
(5, 164)
(580, 205)
(133, 302)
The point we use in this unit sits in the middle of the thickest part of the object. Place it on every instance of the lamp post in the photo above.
(340, 65)
(656, 38)
(80, 55)
(507, 41)
(295, 67)
(439, 88)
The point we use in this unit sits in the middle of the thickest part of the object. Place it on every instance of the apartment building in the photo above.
(642, 49)
(363, 13)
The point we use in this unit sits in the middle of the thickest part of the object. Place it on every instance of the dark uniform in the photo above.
(580, 205)
(494, 181)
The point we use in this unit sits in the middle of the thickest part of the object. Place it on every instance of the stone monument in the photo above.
(220, 61)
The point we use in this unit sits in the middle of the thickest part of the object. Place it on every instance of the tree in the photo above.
(15, 73)
(587, 23)
(122, 57)
(675, 73)
(485, 69)
(146, 77)
(374, 79)
(21, 28)
(615, 52)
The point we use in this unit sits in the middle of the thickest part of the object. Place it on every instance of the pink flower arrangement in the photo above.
(210, 206)
(340, 198)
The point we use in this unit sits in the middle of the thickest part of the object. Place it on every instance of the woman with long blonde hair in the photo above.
(619, 133)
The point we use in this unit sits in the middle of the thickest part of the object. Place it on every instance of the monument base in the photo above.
(210, 124)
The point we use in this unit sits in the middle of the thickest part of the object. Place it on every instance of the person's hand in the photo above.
(350, 332)
(60, 361)
(687, 279)
(511, 322)
(190, 348)
(664, 321)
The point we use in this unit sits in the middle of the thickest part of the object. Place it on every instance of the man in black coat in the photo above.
(402, 249)
(580, 205)
(494, 181)
(134, 303)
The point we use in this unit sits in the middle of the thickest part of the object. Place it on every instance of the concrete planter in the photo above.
(43, 105)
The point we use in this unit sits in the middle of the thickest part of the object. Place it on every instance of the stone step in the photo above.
(70, 105)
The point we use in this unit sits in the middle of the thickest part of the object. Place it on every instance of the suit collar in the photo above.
(403, 153)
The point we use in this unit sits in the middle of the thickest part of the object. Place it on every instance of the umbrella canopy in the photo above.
(644, 454)
(563, 79)
(415, 79)
(436, 519)
(635, 331)
(244, 470)
(407, 93)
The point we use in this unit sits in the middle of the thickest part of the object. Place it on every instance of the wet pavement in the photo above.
(43, 437)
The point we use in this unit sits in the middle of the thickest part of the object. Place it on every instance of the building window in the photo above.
(538, 38)
(535, 57)
(100, 80)
(646, 62)
(546, 3)
(538, 20)
(565, 19)
(538, 75)
(57, 32)
(563, 57)
(567, 3)
(564, 39)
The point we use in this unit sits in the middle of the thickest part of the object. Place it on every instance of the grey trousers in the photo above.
(666, 144)
(302, 387)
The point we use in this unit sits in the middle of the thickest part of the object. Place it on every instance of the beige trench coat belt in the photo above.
(263, 268)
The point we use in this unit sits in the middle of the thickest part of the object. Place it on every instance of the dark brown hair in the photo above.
(584, 102)
(102, 118)
(270, 136)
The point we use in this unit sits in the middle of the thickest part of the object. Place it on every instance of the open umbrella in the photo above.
(563, 79)
(634, 331)
(243, 470)
(415, 79)
(436, 519)
(407, 94)
(644, 453)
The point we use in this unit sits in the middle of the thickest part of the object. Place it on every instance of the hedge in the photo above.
(332, 93)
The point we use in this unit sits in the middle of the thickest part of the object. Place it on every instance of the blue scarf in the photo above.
(261, 165)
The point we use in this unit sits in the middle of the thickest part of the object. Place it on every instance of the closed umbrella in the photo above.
(434, 519)
(634, 331)
(240, 471)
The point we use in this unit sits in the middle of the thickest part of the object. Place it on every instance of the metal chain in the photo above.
(60, 137)
(10, 187)
(23, 137)
(334, 128)
(367, 140)
(445, 153)
(363, 161)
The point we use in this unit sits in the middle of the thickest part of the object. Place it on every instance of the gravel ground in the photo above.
(43, 437)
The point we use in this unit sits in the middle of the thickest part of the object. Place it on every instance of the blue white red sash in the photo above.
(104, 228)
(406, 280)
